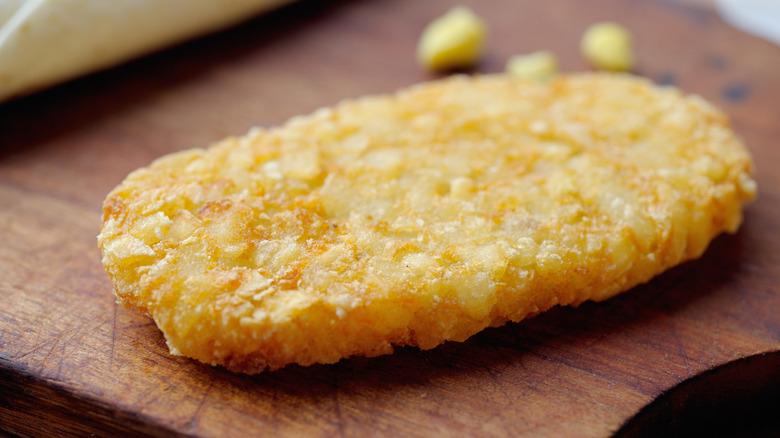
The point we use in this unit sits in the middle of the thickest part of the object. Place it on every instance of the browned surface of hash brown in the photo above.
(421, 217)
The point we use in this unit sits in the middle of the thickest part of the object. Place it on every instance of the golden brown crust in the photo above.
(421, 217)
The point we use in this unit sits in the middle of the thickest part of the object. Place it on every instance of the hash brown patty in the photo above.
(421, 217)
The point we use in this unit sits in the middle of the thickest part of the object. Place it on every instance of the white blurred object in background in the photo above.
(758, 17)
(43, 42)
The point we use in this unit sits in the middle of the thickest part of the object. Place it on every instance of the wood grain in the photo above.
(73, 362)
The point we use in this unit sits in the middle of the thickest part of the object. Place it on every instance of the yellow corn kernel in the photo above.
(538, 66)
(453, 40)
(607, 46)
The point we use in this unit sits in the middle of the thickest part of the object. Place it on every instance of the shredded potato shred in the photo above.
(421, 217)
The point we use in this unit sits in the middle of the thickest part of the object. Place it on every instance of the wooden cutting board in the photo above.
(73, 362)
